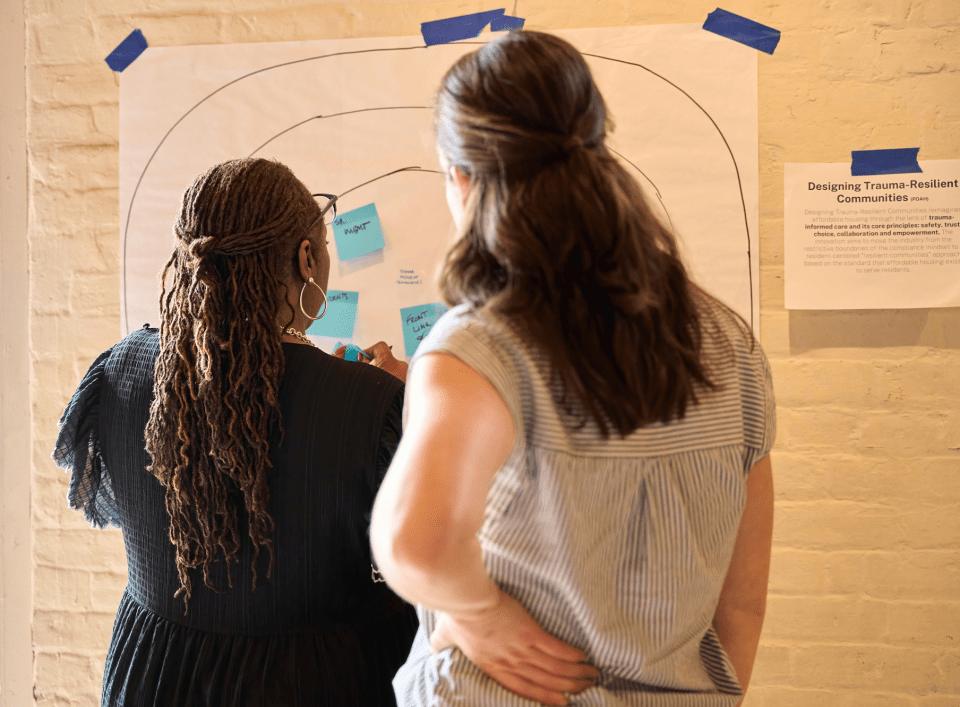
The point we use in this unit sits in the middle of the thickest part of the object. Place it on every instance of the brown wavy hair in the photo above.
(216, 379)
(559, 238)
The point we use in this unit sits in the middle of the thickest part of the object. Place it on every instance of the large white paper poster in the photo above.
(871, 242)
(340, 113)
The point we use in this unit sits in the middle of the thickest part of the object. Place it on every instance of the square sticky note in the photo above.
(358, 232)
(417, 323)
(340, 317)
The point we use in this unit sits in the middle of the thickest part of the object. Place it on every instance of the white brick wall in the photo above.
(865, 592)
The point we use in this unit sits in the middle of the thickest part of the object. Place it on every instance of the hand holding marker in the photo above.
(378, 355)
(354, 352)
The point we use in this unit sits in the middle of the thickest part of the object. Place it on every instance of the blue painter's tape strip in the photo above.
(453, 29)
(868, 162)
(127, 51)
(740, 29)
(506, 23)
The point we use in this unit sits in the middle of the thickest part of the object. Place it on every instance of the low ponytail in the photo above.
(559, 238)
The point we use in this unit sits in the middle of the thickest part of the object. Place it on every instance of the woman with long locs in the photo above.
(582, 502)
(241, 463)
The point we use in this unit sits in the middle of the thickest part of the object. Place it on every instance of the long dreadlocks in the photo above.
(217, 377)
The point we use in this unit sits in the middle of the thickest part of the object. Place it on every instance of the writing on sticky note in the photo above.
(417, 323)
(341, 315)
(358, 232)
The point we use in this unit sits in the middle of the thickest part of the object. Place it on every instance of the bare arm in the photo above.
(458, 435)
(739, 616)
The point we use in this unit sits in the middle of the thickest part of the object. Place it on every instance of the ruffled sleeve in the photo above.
(78, 451)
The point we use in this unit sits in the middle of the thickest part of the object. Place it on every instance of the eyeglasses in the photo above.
(328, 213)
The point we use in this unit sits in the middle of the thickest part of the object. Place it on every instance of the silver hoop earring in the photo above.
(324, 294)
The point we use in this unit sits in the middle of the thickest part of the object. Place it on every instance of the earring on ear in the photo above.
(324, 294)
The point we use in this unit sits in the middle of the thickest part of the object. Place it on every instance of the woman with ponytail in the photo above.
(241, 463)
(581, 505)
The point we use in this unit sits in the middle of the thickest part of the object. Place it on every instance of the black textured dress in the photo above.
(320, 631)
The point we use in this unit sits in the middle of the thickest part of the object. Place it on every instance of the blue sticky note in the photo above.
(417, 323)
(340, 318)
(128, 50)
(358, 232)
(453, 29)
(740, 29)
(355, 353)
(900, 161)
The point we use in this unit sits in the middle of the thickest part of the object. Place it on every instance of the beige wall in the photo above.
(865, 594)
(16, 658)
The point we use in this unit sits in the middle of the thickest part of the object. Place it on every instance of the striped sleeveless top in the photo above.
(619, 546)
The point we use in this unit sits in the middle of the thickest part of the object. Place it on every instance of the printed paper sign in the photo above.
(358, 232)
(341, 315)
(417, 322)
(886, 241)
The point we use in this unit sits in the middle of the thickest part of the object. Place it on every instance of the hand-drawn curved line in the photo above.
(133, 197)
(636, 168)
(334, 115)
(736, 167)
(369, 110)
(656, 191)
(392, 49)
(396, 171)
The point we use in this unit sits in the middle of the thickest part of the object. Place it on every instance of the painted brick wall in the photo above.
(864, 603)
